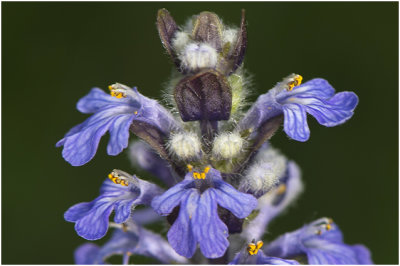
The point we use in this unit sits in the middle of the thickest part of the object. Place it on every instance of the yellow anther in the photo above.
(207, 169)
(115, 93)
(124, 183)
(189, 167)
(297, 79)
(328, 227)
(135, 112)
(259, 244)
(117, 180)
(196, 175)
(253, 248)
(281, 189)
(203, 175)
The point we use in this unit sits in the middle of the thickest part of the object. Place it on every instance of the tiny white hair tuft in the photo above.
(265, 173)
(228, 145)
(198, 56)
(185, 145)
(180, 41)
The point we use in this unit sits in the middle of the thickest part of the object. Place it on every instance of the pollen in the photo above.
(197, 175)
(294, 81)
(189, 167)
(253, 248)
(328, 227)
(281, 189)
(207, 169)
(135, 112)
(117, 91)
(119, 180)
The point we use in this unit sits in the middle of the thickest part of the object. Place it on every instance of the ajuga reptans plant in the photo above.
(223, 181)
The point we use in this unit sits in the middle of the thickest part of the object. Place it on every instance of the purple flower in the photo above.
(198, 197)
(316, 97)
(130, 241)
(142, 156)
(322, 242)
(113, 114)
(252, 254)
(121, 194)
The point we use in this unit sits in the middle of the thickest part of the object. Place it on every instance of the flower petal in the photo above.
(77, 211)
(295, 123)
(208, 228)
(363, 254)
(94, 224)
(334, 111)
(119, 135)
(165, 203)
(180, 235)
(81, 146)
(262, 259)
(87, 254)
(153, 245)
(332, 253)
(239, 203)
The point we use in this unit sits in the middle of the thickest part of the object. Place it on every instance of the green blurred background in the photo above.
(53, 53)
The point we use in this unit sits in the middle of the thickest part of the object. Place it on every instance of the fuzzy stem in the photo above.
(208, 130)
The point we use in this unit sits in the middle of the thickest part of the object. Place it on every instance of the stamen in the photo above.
(253, 248)
(118, 179)
(197, 175)
(295, 81)
(207, 169)
(281, 189)
(119, 90)
(328, 227)
(324, 223)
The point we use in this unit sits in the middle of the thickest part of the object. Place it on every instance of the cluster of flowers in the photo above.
(223, 181)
